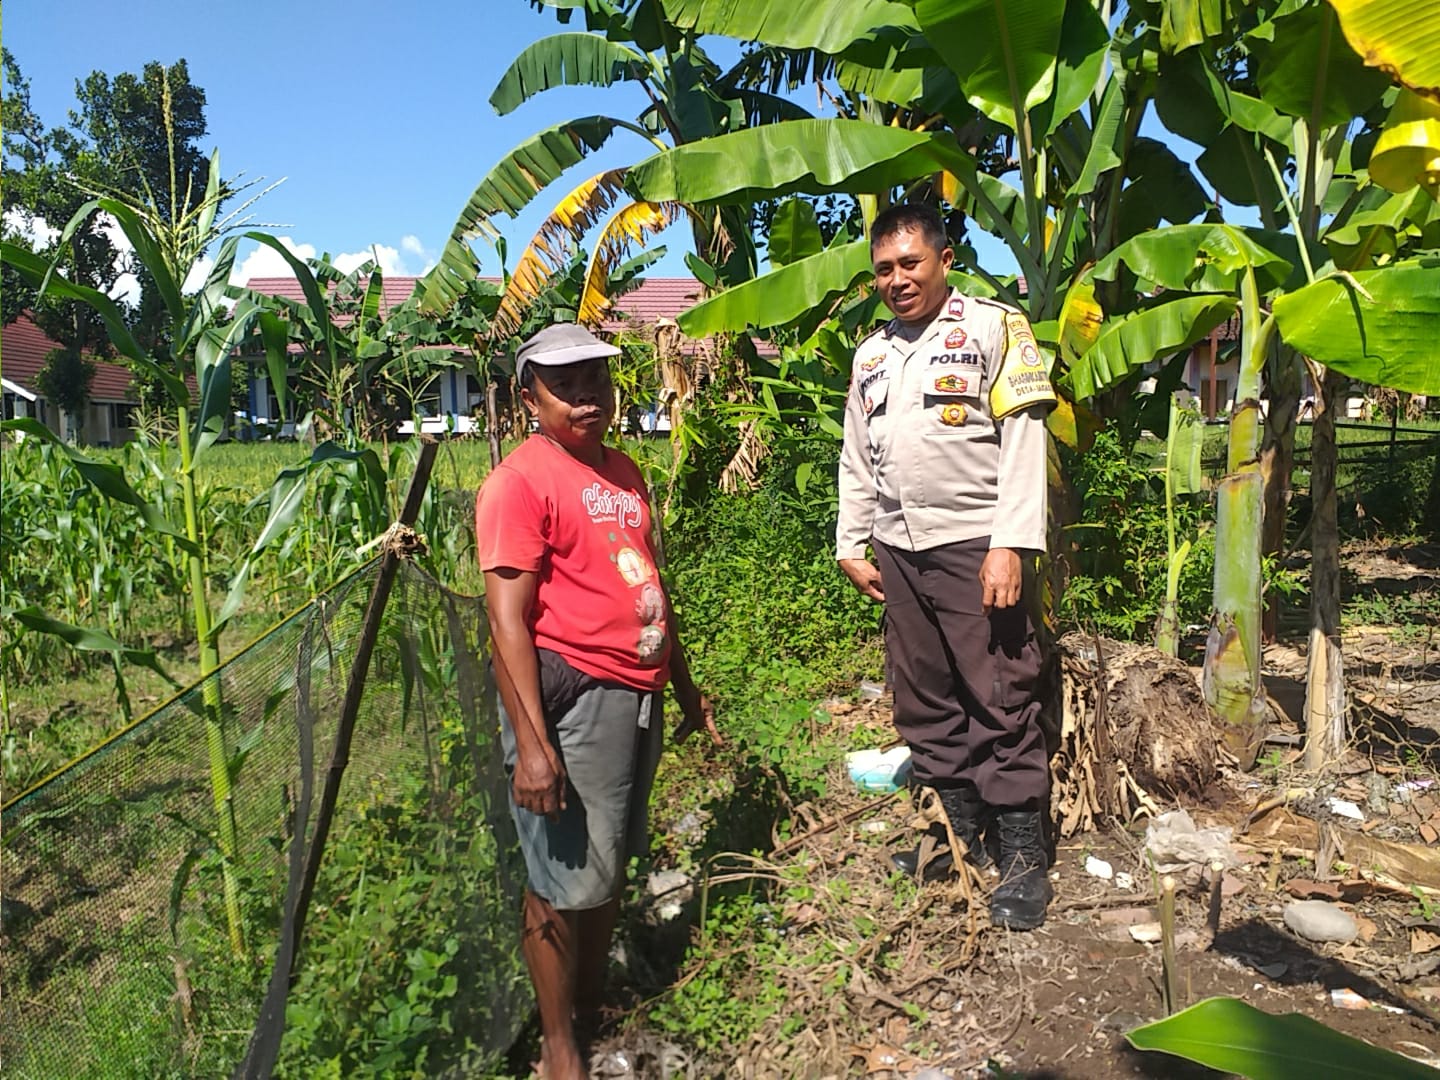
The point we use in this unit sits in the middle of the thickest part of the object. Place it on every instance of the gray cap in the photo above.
(560, 343)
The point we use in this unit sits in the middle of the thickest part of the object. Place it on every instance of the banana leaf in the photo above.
(571, 59)
(1378, 326)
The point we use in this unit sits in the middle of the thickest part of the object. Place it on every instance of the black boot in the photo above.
(967, 820)
(1019, 901)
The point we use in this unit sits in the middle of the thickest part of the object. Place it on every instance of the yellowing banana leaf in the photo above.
(550, 250)
(1379, 326)
(1401, 37)
(783, 295)
(571, 59)
(508, 188)
(1081, 320)
(1128, 343)
(1073, 424)
(1407, 154)
(629, 227)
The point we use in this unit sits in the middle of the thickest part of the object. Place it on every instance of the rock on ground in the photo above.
(1319, 920)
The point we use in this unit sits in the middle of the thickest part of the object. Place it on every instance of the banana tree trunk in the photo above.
(1277, 461)
(1325, 729)
(1232, 684)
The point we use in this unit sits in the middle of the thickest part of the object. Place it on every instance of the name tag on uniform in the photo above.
(873, 388)
(964, 358)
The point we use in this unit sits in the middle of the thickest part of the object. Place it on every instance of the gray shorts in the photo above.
(610, 741)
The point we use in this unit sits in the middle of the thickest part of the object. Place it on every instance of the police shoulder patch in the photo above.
(1022, 380)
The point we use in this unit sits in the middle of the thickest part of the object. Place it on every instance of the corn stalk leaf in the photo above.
(1235, 1037)
(35, 270)
(569, 59)
(85, 638)
(1378, 326)
(309, 286)
(105, 477)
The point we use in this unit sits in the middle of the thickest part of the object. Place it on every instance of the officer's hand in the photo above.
(865, 576)
(1000, 579)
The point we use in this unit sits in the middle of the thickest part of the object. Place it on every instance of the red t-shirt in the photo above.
(586, 533)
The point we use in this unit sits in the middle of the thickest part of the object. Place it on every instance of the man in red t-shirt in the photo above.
(584, 641)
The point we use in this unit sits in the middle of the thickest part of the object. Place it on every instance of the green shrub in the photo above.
(1117, 550)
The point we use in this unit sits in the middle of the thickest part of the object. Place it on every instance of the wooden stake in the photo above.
(1217, 881)
(1171, 977)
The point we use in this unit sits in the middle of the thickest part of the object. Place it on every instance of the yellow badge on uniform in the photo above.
(1022, 380)
(952, 384)
(955, 338)
(952, 415)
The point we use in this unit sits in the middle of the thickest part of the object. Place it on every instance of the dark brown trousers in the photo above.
(965, 683)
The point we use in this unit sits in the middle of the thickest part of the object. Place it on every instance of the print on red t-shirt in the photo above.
(586, 533)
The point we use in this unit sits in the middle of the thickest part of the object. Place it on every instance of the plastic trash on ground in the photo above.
(879, 770)
(1173, 842)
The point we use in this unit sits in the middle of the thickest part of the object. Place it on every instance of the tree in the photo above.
(64, 381)
(116, 143)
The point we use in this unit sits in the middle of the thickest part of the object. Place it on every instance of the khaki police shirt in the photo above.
(945, 433)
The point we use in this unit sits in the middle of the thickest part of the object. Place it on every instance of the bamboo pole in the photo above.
(1171, 975)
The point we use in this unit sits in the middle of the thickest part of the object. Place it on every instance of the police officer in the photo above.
(943, 473)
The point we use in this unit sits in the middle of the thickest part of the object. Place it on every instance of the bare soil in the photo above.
(933, 986)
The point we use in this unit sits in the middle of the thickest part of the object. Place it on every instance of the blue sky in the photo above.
(377, 114)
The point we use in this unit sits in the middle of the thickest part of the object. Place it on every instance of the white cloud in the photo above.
(265, 261)
(35, 230)
(410, 244)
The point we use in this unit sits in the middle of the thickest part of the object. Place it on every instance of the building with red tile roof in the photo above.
(109, 418)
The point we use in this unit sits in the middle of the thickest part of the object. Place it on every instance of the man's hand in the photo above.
(698, 713)
(1000, 579)
(539, 784)
(865, 576)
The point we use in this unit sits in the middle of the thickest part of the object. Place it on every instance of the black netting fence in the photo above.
(139, 930)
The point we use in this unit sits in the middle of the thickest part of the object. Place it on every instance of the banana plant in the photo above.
(1183, 440)
(690, 97)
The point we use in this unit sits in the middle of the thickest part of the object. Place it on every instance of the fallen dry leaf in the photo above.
(1367, 927)
(1428, 833)
(1422, 940)
(884, 1058)
(1305, 889)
